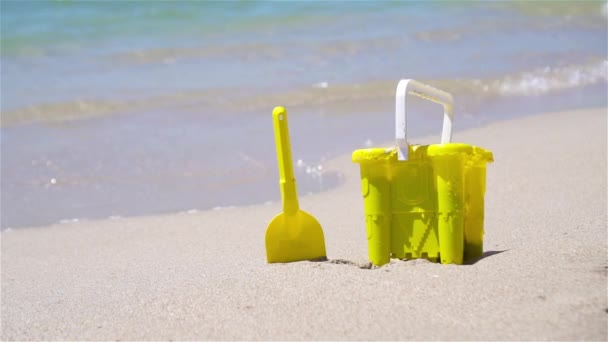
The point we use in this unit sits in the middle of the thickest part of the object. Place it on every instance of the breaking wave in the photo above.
(323, 93)
(548, 79)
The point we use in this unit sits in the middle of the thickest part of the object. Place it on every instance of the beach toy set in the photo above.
(420, 201)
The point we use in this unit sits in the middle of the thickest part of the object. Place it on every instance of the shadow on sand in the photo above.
(485, 254)
(369, 266)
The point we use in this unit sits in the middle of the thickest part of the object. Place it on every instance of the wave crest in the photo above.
(550, 79)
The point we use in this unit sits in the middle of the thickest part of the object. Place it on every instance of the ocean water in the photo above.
(120, 108)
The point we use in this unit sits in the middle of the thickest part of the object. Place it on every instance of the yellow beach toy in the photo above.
(293, 235)
(423, 201)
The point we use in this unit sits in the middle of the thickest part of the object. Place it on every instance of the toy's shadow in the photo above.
(369, 266)
(483, 256)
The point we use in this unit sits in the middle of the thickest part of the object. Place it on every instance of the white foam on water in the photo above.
(67, 221)
(548, 79)
(321, 85)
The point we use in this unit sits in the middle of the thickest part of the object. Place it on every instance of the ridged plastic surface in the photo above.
(430, 206)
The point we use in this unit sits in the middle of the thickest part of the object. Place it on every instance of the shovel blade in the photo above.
(294, 237)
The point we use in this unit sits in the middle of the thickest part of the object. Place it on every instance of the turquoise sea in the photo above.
(121, 108)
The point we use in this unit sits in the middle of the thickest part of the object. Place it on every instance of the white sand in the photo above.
(204, 276)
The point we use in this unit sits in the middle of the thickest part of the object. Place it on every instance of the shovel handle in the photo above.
(287, 182)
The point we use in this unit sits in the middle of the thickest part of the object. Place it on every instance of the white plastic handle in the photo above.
(424, 91)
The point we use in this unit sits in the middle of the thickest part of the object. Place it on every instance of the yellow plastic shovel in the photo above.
(292, 235)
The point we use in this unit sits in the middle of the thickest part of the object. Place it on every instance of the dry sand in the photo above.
(204, 276)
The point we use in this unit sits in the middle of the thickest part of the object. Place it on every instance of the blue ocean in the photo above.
(120, 108)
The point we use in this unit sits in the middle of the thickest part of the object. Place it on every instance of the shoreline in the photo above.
(204, 275)
(335, 174)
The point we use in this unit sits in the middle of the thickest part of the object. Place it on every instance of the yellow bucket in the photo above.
(423, 201)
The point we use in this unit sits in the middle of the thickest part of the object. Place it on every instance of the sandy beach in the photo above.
(203, 275)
